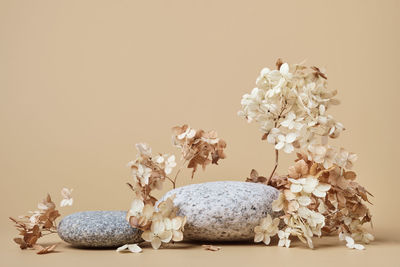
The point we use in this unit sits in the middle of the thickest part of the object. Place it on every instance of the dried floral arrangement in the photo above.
(319, 195)
(40, 223)
(159, 223)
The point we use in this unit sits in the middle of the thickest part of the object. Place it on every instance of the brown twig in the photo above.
(276, 165)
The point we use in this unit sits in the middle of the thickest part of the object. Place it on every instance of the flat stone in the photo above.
(223, 211)
(98, 229)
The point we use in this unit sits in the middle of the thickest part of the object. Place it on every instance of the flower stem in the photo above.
(177, 173)
(276, 165)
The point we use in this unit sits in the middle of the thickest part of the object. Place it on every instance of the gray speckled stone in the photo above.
(223, 211)
(98, 229)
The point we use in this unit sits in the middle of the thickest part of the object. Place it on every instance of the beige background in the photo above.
(82, 81)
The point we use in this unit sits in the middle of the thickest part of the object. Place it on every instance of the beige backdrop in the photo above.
(82, 81)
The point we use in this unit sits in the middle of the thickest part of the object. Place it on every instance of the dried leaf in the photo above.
(211, 247)
(45, 250)
(255, 178)
(350, 175)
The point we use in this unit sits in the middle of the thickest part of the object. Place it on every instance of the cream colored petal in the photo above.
(148, 210)
(166, 236)
(290, 137)
(319, 193)
(157, 227)
(288, 148)
(279, 145)
(295, 188)
(258, 237)
(137, 205)
(268, 219)
(191, 133)
(287, 243)
(121, 248)
(168, 224)
(277, 205)
(310, 184)
(258, 229)
(147, 236)
(359, 246)
(177, 223)
(323, 187)
(304, 200)
(156, 243)
(289, 195)
(177, 236)
(276, 222)
(281, 234)
(266, 240)
(134, 248)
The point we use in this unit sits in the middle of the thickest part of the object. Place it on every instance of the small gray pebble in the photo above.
(224, 210)
(98, 229)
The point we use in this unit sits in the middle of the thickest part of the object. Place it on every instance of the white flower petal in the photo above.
(266, 240)
(279, 145)
(304, 200)
(359, 246)
(258, 237)
(290, 137)
(134, 248)
(288, 148)
(121, 248)
(295, 188)
(191, 134)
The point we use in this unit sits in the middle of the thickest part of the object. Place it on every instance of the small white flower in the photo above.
(266, 229)
(273, 135)
(144, 149)
(144, 174)
(304, 200)
(313, 218)
(136, 207)
(284, 237)
(291, 122)
(351, 244)
(157, 234)
(345, 159)
(175, 225)
(285, 142)
(134, 248)
(168, 162)
(309, 185)
(67, 199)
(284, 70)
(189, 133)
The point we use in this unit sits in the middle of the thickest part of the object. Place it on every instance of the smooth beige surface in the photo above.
(82, 81)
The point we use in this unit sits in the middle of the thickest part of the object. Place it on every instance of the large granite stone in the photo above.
(223, 211)
(98, 229)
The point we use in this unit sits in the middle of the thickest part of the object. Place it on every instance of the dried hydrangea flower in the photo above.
(157, 234)
(40, 223)
(319, 194)
(266, 229)
(198, 147)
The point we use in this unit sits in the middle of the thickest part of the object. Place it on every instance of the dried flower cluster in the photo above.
(160, 223)
(40, 222)
(198, 147)
(318, 195)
